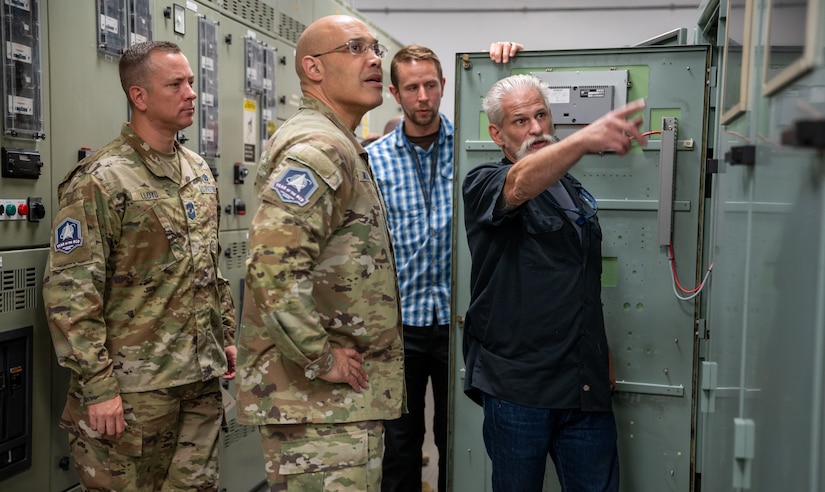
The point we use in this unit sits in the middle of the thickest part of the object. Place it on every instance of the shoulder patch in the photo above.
(295, 185)
(67, 236)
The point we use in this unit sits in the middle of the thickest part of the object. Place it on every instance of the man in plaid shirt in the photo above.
(413, 165)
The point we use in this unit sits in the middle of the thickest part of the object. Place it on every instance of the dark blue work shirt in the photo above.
(534, 332)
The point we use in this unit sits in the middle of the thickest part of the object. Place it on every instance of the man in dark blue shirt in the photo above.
(535, 347)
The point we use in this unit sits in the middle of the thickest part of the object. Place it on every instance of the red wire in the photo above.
(645, 134)
(676, 278)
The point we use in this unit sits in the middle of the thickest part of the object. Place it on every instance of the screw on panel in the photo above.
(465, 61)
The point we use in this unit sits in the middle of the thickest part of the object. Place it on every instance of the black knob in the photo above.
(37, 211)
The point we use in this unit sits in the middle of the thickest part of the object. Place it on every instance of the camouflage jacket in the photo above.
(320, 274)
(133, 295)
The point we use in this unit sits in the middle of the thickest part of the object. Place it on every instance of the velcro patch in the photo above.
(67, 236)
(295, 185)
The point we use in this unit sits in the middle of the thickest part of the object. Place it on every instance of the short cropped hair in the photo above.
(411, 53)
(515, 83)
(136, 65)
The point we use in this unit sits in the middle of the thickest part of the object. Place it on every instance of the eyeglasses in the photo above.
(585, 213)
(358, 47)
(590, 208)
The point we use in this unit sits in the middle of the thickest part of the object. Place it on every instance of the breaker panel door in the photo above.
(650, 207)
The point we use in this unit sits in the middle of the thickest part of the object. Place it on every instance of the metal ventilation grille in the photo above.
(253, 11)
(235, 254)
(234, 432)
(289, 28)
(18, 289)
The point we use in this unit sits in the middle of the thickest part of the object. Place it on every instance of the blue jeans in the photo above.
(582, 445)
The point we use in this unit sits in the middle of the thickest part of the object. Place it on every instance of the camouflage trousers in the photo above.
(170, 443)
(324, 457)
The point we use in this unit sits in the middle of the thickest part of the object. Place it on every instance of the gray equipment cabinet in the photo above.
(648, 200)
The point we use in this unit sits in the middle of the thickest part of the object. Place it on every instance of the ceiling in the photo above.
(515, 6)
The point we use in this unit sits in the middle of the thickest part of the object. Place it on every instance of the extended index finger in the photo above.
(630, 108)
(633, 125)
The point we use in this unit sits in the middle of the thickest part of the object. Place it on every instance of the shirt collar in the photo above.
(445, 130)
(156, 165)
(316, 105)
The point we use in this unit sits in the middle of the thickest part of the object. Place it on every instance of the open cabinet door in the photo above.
(647, 200)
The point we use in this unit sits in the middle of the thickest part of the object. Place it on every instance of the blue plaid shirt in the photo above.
(421, 238)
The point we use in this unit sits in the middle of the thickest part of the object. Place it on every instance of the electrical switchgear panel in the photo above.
(140, 18)
(208, 56)
(21, 69)
(112, 27)
(15, 400)
(254, 65)
(649, 327)
(269, 98)
(122, 23)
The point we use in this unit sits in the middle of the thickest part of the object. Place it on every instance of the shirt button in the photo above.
(432, 233)
(586, 387)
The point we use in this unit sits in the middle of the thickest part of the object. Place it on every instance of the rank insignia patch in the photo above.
(190, 210)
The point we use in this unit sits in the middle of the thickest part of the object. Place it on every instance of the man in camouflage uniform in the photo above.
(136, 306)
(320, 351)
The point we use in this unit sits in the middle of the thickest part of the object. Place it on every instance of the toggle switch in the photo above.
(239, 206)
(241, 172)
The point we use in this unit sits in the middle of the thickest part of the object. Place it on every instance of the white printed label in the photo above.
(21, 105)
(559, 96)
(109, 24)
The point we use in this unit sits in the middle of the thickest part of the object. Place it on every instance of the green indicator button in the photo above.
(11, 210)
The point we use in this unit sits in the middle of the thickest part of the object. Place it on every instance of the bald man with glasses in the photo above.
(320, 358)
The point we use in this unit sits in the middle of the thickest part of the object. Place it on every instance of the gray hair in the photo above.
(514, 83)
